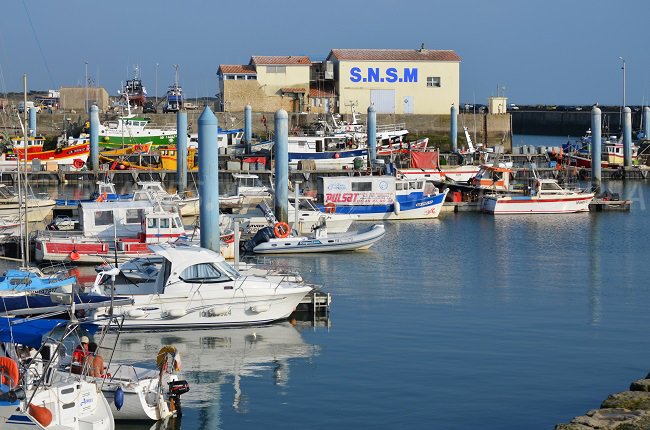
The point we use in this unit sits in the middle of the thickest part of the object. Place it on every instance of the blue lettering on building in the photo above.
(390, 75)
(355, 74)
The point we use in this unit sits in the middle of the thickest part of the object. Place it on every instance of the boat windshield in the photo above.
(206, 273)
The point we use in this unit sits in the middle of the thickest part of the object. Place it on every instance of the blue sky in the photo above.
(548, 52)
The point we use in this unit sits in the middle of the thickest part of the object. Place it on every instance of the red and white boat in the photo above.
(73, 152)
(426, 165)
(109, 230)
(542, 196)
(405, 147)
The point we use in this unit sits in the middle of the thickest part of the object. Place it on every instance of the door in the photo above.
(383, 100)
(408, 104)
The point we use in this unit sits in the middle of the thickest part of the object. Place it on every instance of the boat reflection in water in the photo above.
(212, 358)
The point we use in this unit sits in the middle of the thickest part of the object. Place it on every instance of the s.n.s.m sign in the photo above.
(390, 74)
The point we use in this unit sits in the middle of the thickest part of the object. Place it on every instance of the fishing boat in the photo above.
(109, 230)
(426, 165)
(132, 130)
(74, 154)
(542, 196)
(380, 197)
(134, 91)
(36, 399)
(403, 147)
(327, 152)
(278, 240)
(197, 288)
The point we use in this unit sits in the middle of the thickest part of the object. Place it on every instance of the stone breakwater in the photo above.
(627, 410)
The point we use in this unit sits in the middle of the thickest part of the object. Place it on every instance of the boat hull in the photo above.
(419, 208)
(151, 312)
(330, 243)
(37, 210)
(531, 205)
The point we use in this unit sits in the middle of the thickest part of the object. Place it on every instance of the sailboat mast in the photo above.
(25, 136)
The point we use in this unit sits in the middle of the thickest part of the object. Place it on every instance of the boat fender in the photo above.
(396, 207)
(119, 398)
(135, 313)
(336, 155)
(219, 311)
(8, 372)
(330, 208)
(106, 138)
(175, 313)
(281, 230)
(260, 308)
(41, 414)
(74, 255)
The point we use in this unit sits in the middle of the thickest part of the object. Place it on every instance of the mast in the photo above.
(25, 136)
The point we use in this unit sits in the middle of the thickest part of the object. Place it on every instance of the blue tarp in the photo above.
(26, 332)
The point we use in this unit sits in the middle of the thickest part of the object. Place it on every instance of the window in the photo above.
(152, 223)
(133, 216)
(276, 69)
(361, 186)
(103, 217)
(204, 272)
(433, 81)
(230, 77)
(164, 222)
(251, 77)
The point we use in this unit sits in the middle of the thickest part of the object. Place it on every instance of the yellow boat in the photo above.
(131, 149)
(168, 158)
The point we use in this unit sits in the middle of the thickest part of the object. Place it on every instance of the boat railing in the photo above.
(391, 127)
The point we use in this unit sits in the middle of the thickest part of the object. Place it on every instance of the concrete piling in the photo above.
(453, 132)
(209, 180)
(627, 136)
(596, 148)
(94, 138)
(181, 151)
(32, 121)
(281, 146)
(372, 135)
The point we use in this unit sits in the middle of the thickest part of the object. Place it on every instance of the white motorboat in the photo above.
(320, 241)
(37, 208)
(42, 398)
(196, 287)
(188, 205)
(543, 196)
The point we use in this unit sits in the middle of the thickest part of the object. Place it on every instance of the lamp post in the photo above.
(156, 84)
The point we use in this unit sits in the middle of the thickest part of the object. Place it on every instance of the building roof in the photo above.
(293, 90)
(394, 54)
(237, 69)
(315, 92)
(281, 60)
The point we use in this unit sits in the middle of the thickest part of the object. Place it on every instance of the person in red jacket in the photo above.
(79, 355)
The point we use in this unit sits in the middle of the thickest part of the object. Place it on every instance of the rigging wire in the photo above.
(38, 43)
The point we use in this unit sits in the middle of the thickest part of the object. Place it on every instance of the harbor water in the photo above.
(466, 321)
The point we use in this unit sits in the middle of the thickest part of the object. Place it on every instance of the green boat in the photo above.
(132, 130)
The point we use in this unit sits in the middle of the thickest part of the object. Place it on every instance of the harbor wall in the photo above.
(567, 123)
(493, 129)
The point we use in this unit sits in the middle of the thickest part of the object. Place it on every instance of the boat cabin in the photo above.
(493, 178)
(249, 185)
(315, 144)
(544, 188)
(107, 220)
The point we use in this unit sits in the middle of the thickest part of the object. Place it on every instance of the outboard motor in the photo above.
(262, 235)
(176, 389)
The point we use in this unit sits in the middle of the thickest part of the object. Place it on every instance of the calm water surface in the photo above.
(466, 321)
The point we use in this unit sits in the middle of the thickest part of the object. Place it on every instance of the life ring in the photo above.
(137, 148)
(281, 230)
(78, 163)
(162, 359)
(330, 208)
(9, 372)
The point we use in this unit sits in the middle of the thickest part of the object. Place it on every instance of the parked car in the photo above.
(513, 106)
(149, 107)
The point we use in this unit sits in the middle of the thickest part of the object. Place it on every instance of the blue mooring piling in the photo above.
(596, 148)
(181, 151)
(94, 138)
(32, 121)
(646, 123)
(281, 166)
(209, 180)
(248, 127)
(453, 132)
(372, 135)
(627, 136)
